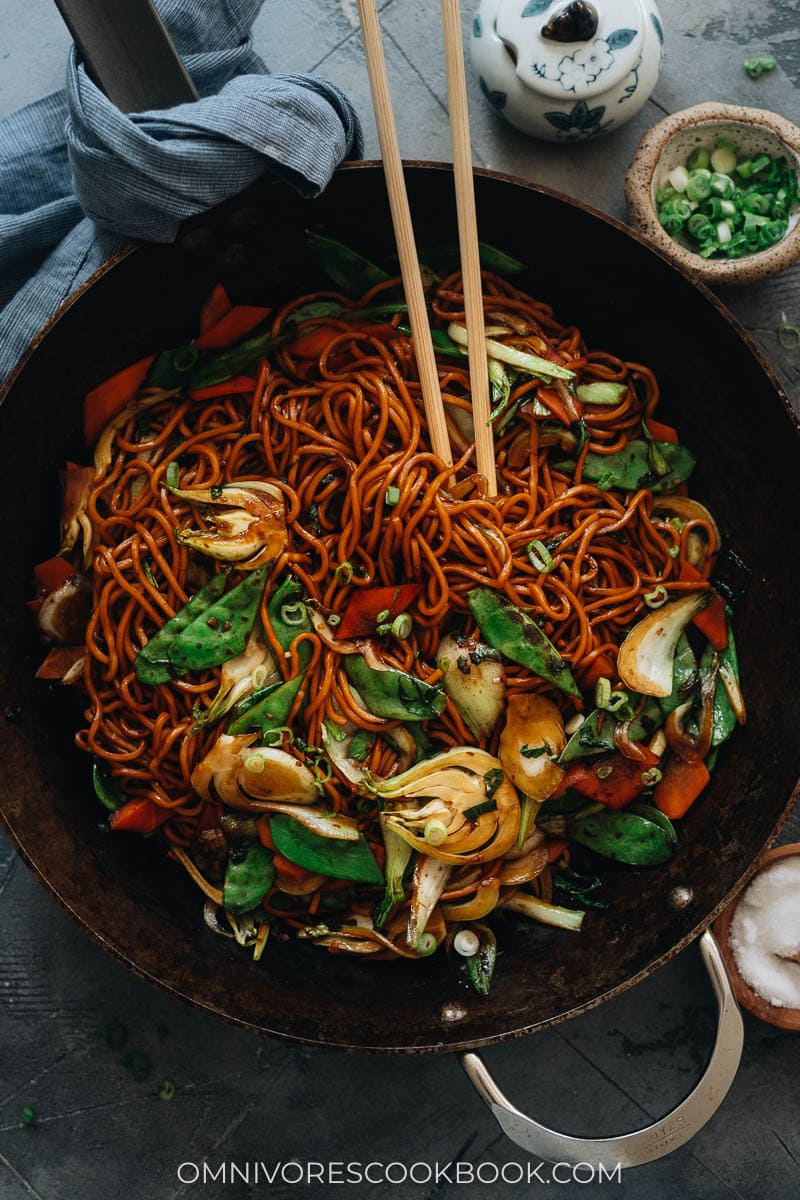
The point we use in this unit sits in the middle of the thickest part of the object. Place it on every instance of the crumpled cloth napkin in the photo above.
(79, 179)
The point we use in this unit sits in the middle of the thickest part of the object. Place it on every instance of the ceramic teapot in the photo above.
(567, 70)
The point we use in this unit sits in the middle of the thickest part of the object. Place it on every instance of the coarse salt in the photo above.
(765, 933)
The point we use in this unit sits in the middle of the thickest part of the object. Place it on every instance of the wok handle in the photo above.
(656, 1140)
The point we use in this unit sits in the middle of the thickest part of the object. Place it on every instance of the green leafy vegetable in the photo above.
(630, 469)
(107, 787)
(288, 600)
(724, 716)
(684, 677)
(624, 836)
(325, 856)
(393, 694)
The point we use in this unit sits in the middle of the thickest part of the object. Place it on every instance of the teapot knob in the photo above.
(577, 22)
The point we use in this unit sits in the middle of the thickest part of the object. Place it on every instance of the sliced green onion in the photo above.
(602, 692)
(426, 944)
(28, 1114)
(344, 572)
(604, 771)
(789, 336)
(723, 159)
(759, 64)
(699, 159)
(392, 496)
(466, 943)
(435, 832)
(539, 556)
(678, 178)
(255, 764)
(657, 597)
(478, 810)
(293, 614)
(334, 619)
(402, 625)
(652, 776)
(167, 1090)
(617, 700)
(184, 358)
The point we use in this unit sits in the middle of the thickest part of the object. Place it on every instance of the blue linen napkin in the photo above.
(79, 179)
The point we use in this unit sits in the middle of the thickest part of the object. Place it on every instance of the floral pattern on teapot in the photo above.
(562, 87)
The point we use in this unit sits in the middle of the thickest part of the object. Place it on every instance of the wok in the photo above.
(730, 409)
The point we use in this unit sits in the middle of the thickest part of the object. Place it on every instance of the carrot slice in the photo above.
(680, 786)
(232, 327)
(710, 620)
(103, 402)
(214, 309)
(662, 432)
(240, 385)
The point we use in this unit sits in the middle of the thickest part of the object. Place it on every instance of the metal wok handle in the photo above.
(656, 1140)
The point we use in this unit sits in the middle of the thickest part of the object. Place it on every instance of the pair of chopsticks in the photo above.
(467, 236)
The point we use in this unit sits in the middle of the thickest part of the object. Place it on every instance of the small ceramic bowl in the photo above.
(669, 143)
(784, 1018)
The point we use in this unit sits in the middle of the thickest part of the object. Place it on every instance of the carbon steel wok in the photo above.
(729, 408)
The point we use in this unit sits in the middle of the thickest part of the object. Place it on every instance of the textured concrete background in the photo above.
(73, 1023)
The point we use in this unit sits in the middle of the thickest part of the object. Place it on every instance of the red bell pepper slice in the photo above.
(711, 620)
(105, 401)
(139, 816)
(612, 780)
(214, 309)
(361, 615)
(51, 574)
(232, 327)
(681, 784)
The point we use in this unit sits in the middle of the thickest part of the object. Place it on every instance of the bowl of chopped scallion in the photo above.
(716, 187)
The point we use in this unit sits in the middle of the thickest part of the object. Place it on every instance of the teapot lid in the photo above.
(580, 47)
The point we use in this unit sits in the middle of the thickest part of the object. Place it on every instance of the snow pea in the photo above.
(216, 368)
(269, 712)
(594, 738)
(724, 716)
(631, 468)
(333, 857)
(289, 598)
(152, 662)
(626, 837)
(480, 965)
(393, 694)
(684, 677)
(517, 636)
(445, 259)
(249, 876)
(352, 273)
(221, 631)
(106, 786)
(442, 342)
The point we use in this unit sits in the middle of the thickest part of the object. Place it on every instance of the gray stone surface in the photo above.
(64, 1005)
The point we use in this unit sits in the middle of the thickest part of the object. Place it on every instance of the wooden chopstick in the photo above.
(468, 241)
(404, 231)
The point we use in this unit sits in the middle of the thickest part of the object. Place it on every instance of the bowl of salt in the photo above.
(759, 935)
